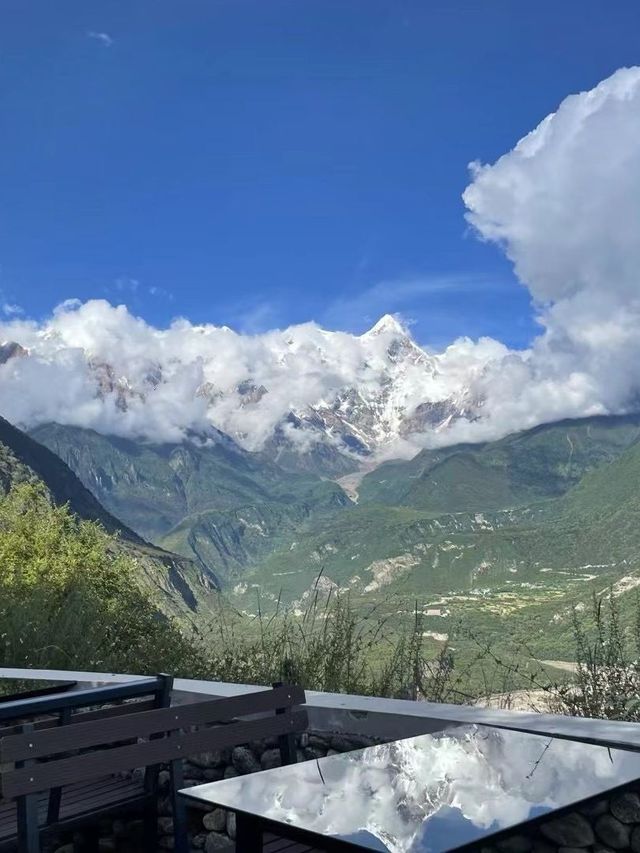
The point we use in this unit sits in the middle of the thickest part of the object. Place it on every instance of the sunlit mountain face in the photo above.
(433, 792)
(335, 399)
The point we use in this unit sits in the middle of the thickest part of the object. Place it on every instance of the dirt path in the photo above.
(564, 665)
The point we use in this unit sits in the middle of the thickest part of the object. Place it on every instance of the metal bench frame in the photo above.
(90, 746)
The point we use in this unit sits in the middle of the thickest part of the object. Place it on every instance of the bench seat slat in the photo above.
(77, 800)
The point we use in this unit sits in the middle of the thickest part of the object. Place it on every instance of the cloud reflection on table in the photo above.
(430, 793)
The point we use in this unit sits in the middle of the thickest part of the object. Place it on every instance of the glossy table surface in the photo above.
(427, 794)
(20, 688)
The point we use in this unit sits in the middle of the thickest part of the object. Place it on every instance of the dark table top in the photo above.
(431, 793)
(21, 688)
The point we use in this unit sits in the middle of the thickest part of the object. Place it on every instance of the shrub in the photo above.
(69, 597)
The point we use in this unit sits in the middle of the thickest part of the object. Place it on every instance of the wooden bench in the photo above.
(55, 777)
(50, 712)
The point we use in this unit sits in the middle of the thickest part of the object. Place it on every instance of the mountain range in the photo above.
(274, 484)
(559, 497)
(309, 399)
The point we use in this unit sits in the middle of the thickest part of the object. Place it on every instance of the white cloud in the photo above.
(10, 309)
(87, 360)
(564, 205)
(103, 38)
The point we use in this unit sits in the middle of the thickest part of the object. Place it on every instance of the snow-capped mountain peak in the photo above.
(388, 324)
(301, 391)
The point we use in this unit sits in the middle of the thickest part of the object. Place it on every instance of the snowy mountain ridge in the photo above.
(331, 398)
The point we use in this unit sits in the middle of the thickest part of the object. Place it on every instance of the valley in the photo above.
(506, 536)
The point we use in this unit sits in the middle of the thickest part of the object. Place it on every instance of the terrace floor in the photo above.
(591, 819)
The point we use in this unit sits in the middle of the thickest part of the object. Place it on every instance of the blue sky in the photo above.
(265, 162)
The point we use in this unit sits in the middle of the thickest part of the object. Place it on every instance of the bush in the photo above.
(607, 679)
(69, 597)
(333, 648)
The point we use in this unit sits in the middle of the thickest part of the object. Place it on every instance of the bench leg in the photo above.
(180, 835)
(28, 829)
(151, 825)
(91, 840)
(248, 834)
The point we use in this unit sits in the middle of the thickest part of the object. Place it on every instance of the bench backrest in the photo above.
(144, 738)
(70, 707)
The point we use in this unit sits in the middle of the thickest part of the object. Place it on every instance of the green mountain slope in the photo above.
(211, 501)
(540, 463)
(180, 585)
(374, 550)
(515, 513)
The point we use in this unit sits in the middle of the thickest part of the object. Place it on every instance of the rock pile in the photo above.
(606, 825)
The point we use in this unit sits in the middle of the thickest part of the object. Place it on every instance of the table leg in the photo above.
(248, 834)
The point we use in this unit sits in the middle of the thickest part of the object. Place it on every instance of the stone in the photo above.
(270, 758)
(332, 752)
(231, 824)
(540, 846)
(600, 848)
(571, 830)
(312, 752)
(515, 844)
(626, 807)
(214, 758)
(230, 773)
(135, 829)
(216, 841)
(303, 740)
(362, 741)
(319, 742)
(594, 809)
(195, 772)
(197, 842)
(612, 832)
(570, 850)
(165, 808)
(215, 821)
(341, 743)
(164, 780)
(165, 825)
(244, 760)
(635, 839)
(213, 774)
(119, 828)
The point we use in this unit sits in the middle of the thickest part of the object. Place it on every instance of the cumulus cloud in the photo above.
(97, 365)
(11, 309)
(564, 204)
